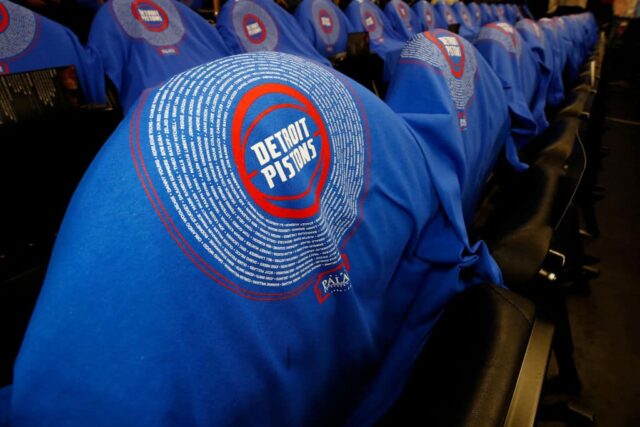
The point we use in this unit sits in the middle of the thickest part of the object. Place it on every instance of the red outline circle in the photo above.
(513, 36)
(263, 28)
(4, 68)
(456, 70)
(150, 3)
(4, 18)
(402, 10)
(326, 30)
(239, 141)
(375, 21)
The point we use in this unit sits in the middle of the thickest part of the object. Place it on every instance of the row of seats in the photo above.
(267, 174)
(139, 44)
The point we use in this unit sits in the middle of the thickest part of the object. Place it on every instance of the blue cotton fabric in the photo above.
(455, 103)
(144, 42)
(325, 25)
(206, 274)
(262, 25)
(29, 42)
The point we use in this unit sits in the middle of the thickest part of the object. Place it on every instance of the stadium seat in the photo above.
(487, 14)
(144, 42)
(523, 81)
(282, 247)
(325, 25)
(384, 41)
(30, 42)
(459, 109)
(402, 18)
(468, 26)
(446, 13)
(262, 25)
(542, 47)
(476, 13)
(427, 15)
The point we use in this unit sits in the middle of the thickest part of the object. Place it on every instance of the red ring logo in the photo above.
(326, 23)
(280, 206)
(4, 18)
(249, 23)
(143, 11)
(370, 22)
(4, 68)
(457, 70)
(401, 10)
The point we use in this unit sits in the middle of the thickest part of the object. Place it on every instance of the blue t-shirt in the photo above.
(403, 20)
(259, 242)
(144, 42)
(455, 103)
(468, 26)
(427, 15)
(534, 37)
(524, 85)
(557, 46)
(476, 13)
(383, 39)
(262, 25)
(325, 25)
(487, 14)
(446, 13)
(30, 42)
(573, 51)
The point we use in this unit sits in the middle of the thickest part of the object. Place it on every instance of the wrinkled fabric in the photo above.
(256, 254)
(30, 42)
(144, 42)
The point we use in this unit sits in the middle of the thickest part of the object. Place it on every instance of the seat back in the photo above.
(384, 40)
(468, 26)
(262, 25)
(535, 37)
(276, 240)
(487, 14)
(525, 86)
(501, 13)
(447, 14)
(402, 18)
(455, 103)
(325, 25)
(31, 42)
(427, 15)
(476, 13)
(144, 42)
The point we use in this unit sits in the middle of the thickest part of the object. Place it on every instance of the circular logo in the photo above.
(4, 18)
(452, 49)
(465, 17)
(19, 28)
(428, 16)
(4, 68)
(284, 172)
(370, 22)
(254, 29)
(261, 188)
(402, 10)
(150, 15)
(449, 16)
(157, 22)
(326, 22)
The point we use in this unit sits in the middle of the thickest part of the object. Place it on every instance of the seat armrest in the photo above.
(471, 365)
